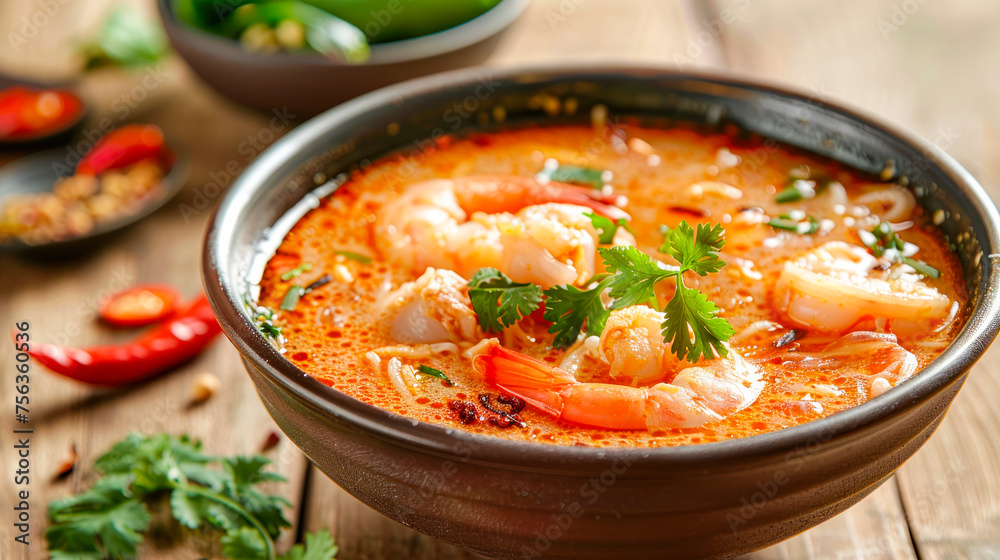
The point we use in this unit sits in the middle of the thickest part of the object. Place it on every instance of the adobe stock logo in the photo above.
(590, 492)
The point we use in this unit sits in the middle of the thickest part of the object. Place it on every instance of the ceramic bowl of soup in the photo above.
(350, 263)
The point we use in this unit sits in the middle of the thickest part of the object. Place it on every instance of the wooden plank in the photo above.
(363, 533)
(602, 30)
(60, 299)
(875, 528)
(913, 63)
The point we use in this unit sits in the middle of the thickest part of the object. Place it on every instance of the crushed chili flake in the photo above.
(272, 440)
(466, 411)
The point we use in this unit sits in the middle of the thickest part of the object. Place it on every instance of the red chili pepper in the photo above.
(140, 305)
(27, 113)
(124, 146)
(166, 345)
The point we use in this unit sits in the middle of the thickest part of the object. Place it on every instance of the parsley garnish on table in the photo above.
(222, 493)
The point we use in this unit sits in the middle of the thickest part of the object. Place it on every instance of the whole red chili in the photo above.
(29, 113)
(166, 345)
(124, 146)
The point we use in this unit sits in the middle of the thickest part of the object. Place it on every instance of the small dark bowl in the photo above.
(38, 173)
(513, 499)
(49, 138)
(306, 84)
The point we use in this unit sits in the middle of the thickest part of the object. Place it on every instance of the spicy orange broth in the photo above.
(332, 328)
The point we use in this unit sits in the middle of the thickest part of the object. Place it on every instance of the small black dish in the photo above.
(37, 173)
(49, 138)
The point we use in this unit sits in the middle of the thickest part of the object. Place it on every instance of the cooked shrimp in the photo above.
(834, 288)
(876, 357)
(532, 232)
(633, 345)
(433, 308)
(697, 395)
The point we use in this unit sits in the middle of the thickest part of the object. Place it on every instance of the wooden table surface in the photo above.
(925, 64)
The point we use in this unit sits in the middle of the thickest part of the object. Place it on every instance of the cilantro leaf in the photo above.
(106, 521)
(246, 473)
(635, 275)
(102, 522)
(576, 175)
(319, 546)
(697, 252)
(568, 308)
(606, 229)
(691, 325)
(245, 544)
(498, 301)
(186, 509)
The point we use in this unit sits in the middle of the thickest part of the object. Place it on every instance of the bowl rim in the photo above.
(465, 34)
(948, 368)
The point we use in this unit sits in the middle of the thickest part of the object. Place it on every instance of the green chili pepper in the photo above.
(392, 20)
(338, 28)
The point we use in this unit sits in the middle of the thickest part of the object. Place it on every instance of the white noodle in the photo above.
(417, 351)
(753, 329)
(395, 371)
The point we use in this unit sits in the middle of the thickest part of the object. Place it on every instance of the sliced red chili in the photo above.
(168, 344)
(124, 146)
(26, 113)
(140, 305)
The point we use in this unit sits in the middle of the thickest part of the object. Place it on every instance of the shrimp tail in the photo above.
(538, 383)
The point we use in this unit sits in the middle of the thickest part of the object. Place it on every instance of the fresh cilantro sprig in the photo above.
(498, 301)
(883, 241)
(569, 309)
(108, 519)
(634, 275)
(606, 228)
(691, 324)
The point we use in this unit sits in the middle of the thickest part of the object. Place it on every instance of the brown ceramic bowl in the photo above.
(524, 500)
(307, 83)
